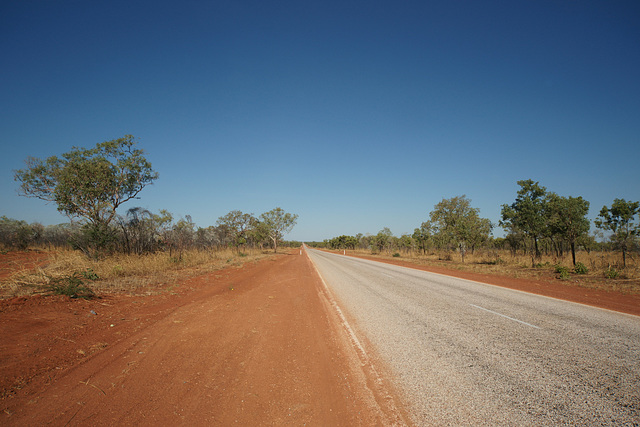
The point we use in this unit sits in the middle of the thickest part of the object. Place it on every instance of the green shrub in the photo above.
(580, 268)
(90, 274)
(611, 273)
(563, 272)
(396, 255)
(71, 286)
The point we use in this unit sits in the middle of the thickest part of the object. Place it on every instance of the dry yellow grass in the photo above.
(519, 266)
(128, 273)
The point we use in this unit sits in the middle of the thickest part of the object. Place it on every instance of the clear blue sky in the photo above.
(354, 115)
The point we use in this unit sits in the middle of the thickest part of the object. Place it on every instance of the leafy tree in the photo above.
(479, 232)
(405, 243)
(527, 213)
(89, 183)
(422, 236)
(568, 219)
(259, 234)
(588, 242)
(163, 225)
(342, 242)
(364, 241)
(459, 224)
(239, 225)
(381, 240)
(619, 220)
(94, 239)
(181, 236)
(276, 223)
(516, 240)
(207, 238)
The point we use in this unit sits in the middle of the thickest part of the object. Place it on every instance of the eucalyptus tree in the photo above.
(479, 233)
(343, 242)
(619, 219)
(181, 236)
(405, 243)
(422, 236)
(457, 223)
(382, 240)
(567, 218)
(89, 184)
(527, 213)
(239, 226)
(276, 223)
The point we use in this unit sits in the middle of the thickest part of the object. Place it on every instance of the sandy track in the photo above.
(259, 345)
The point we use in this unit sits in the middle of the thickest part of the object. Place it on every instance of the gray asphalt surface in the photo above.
(466, 353)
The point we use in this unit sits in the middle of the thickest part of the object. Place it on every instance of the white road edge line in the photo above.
(500, 314)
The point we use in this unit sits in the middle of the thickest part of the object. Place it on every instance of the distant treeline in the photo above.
(537, 222)
(140, 231)
(90, 185)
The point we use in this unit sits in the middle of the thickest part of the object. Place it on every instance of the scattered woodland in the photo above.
(141, 232)
(90, 185)
(548, 230)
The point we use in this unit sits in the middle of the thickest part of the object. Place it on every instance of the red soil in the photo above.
(258, 345)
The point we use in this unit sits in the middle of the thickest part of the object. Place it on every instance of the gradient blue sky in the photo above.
(354, 115)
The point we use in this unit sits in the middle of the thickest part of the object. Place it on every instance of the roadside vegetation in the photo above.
(547, 236)
(101, 250)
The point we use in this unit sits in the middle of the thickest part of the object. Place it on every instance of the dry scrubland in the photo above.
(601, 266)
(148, 274)
(138, 274)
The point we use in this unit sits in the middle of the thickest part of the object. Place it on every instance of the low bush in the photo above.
(611, 273)
(562, 271)
(90, 274)
(580, 268)
(71, 286)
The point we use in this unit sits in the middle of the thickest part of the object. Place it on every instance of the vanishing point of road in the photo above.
(467, 353)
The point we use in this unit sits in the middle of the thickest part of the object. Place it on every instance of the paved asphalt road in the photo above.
(466, 353)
